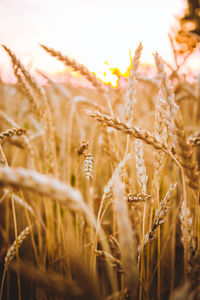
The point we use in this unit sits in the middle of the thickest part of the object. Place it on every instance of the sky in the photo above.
(91, 31)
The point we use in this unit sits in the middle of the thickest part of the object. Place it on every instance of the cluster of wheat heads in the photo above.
(100, 186)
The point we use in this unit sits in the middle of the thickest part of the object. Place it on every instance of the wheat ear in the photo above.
(133, 131)
(12, 252)
(43, 184)
(194, 140)
(88, 165)
(186, 154)
(45, 114)
(132, 81)
(161, 214)
(6, 135)
(140, 166)
(76, 67)
(19, 139)
(109, 148)
(137, 197)
(60, 89)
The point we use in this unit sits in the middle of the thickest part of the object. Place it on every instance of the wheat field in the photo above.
(100, 185)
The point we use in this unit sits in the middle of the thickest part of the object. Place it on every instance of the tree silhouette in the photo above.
(188, 36)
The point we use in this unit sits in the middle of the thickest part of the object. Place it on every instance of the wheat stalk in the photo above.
(60, 89)
(6, 135)
(111, 258)
(126, 242)
(186, 154)
(49, 281)
(88, 165)
(166, 89)
(160, 131)
(168, 98)
(43, 184)
(25, 89)
(3, 161)
(22, 140)
(30, 79)
(137, 197)
(140, 166)
(133, 131)
(132, 81)
(108, 194)
(109, 148)
(161, 214)
(51, 187)
(45, 114)
(76, 67)
(85, 101)
(12, 250)
(83, 146)
(194, 140)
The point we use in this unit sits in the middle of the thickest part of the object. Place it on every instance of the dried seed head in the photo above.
(13, 249)
(132, 81)
(12, 132)
(161, 214)
(76, 67)
(135, 197)
(140, 166)
(88, 166)
(194, 141)
(83, 145)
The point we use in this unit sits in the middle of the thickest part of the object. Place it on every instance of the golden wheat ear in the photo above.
(72, 63)
(11, 253)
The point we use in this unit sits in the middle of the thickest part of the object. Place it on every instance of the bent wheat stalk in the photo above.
(126, 241)
(133, 131)
(70, 62)
(42, 184)
(53, 188)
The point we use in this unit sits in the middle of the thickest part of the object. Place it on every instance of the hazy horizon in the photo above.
(91, 31)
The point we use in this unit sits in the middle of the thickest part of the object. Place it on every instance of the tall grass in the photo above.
(100, 185)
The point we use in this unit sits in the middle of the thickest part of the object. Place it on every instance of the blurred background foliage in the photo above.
(188, 36)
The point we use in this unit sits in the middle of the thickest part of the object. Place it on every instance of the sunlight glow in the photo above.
(91, 31)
